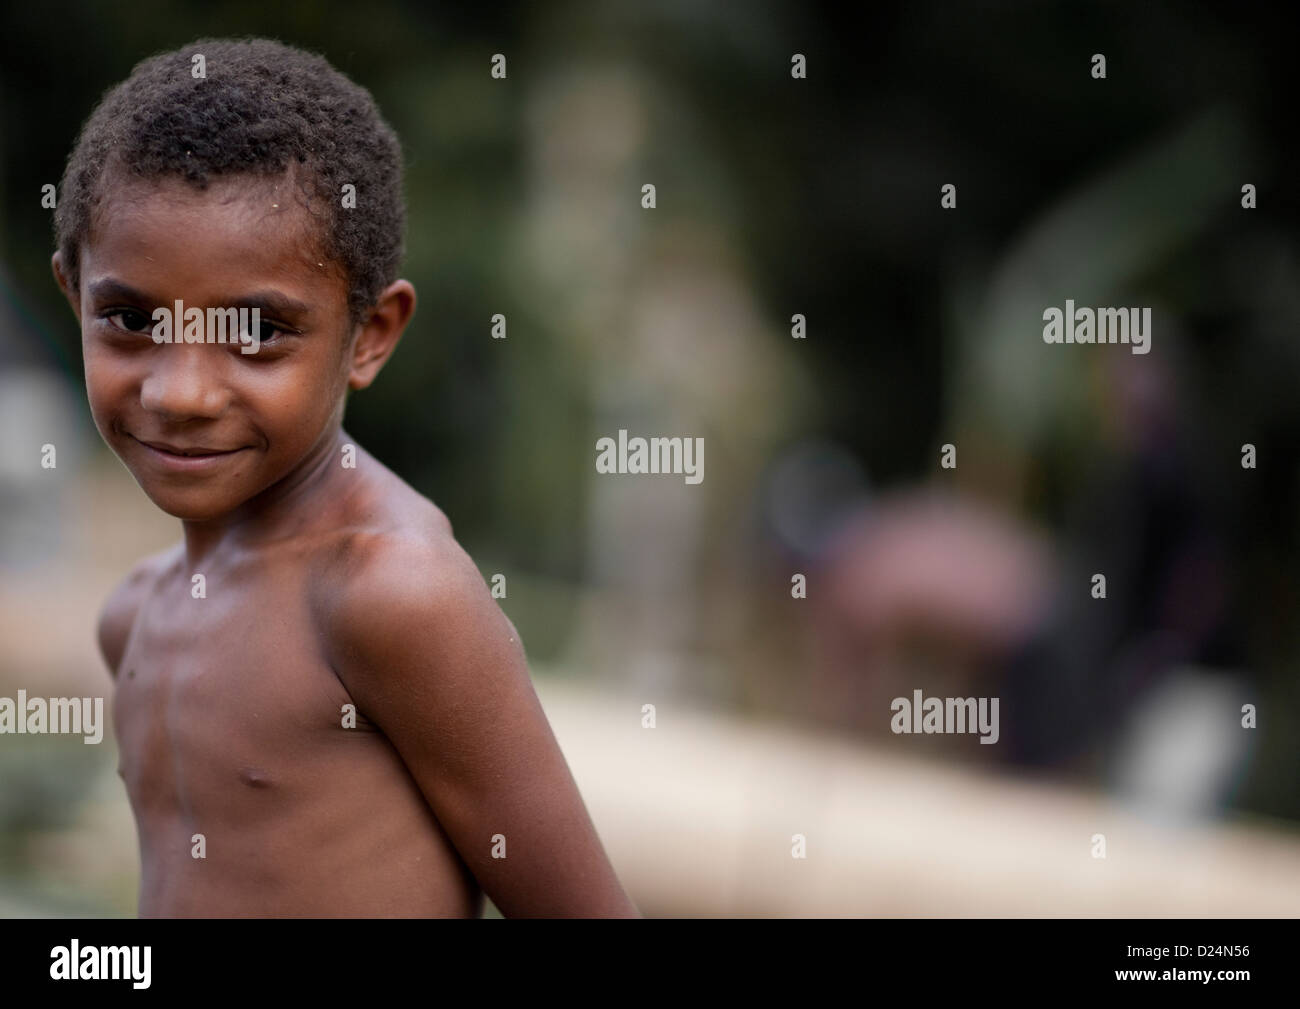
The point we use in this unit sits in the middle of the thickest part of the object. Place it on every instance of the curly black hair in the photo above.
(261, 108)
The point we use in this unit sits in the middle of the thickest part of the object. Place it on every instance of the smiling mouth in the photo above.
(187, 451)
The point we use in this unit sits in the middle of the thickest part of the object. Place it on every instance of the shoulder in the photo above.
(382, 578)
(123, 604)
(403, 603)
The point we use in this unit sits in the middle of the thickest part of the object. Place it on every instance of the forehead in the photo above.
(241, 231)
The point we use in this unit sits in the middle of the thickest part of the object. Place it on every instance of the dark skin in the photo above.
(325, 586)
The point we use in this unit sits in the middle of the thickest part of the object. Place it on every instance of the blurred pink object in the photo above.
(926, 562)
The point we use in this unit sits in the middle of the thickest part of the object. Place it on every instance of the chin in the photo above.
(190, 504)
(188, 507)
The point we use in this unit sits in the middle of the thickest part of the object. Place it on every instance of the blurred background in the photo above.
(776, 197)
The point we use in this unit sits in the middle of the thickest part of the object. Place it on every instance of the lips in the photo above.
(185, 458)
(186, 450)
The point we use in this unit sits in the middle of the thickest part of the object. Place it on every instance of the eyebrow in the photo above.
(271, 302)
(110, 289)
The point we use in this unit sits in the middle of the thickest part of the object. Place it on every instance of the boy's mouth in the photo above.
(186, 457)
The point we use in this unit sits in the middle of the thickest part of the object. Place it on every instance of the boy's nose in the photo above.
(181, 384)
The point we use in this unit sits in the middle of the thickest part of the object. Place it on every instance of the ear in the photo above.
(378, 335)
(71, 293)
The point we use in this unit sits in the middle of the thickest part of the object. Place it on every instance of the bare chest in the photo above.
(222, 689)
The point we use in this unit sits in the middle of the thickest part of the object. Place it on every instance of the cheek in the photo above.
(108, 383)
(294, 403)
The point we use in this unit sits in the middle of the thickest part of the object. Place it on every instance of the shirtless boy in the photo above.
(336, 719)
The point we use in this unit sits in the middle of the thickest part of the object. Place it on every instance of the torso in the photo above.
(230, 724)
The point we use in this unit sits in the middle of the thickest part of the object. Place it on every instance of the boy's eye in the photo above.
(130, 320)
(268, 332)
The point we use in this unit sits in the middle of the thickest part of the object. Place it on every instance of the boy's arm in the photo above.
(428, 656)
(120, 608)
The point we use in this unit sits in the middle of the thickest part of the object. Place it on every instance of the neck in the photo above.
(280, 510)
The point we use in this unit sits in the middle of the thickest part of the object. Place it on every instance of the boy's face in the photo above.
(251, 419)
